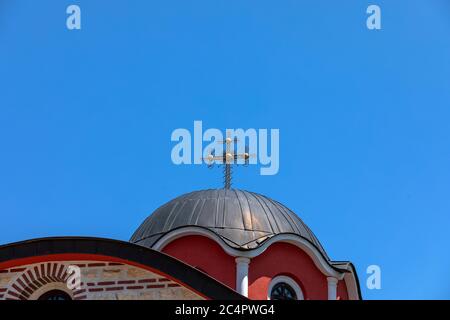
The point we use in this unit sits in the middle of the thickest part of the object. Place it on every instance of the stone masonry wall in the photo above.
(99, 281)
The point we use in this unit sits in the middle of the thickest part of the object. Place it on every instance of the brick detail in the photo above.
(146, 280)
(96, 264)
(154, 286)
(135, 287)
(114, 288)
(100, 280)
(33, 278)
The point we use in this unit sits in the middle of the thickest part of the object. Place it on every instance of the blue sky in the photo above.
(86, 118)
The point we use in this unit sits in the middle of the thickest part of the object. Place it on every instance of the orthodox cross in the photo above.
(227, 159)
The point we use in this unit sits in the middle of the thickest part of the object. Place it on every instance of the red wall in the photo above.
(278, 259)
(289, 260)
(342, 291)
(206, 255)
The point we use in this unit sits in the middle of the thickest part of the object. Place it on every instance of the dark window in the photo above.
(55, 295)
(282, 291)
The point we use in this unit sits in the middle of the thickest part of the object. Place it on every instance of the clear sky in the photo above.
(364, 118)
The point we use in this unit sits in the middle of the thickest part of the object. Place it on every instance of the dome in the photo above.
(242, 219)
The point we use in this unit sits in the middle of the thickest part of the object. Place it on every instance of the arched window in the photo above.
(282, 291)
(55, 295)
(284, 288)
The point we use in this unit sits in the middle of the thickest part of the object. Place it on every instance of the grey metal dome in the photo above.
(243, 219)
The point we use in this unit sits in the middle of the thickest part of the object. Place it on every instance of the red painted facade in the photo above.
(342, 291)
(277, 259)
(206, 255)
(286, 259)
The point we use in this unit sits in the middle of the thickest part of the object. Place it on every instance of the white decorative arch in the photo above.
(318, 259)
(49, 287)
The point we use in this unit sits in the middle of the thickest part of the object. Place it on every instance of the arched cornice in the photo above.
(319, 260)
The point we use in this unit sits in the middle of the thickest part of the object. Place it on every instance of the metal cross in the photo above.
(227, 159)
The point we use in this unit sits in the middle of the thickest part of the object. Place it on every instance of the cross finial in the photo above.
(227, 159)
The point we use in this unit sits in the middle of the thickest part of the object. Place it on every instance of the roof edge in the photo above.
(198, 281)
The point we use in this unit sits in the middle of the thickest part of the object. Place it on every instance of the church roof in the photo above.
(18, 253)
(242, 219)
